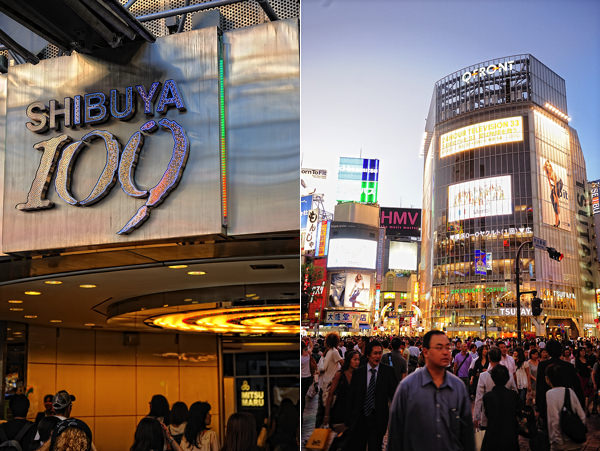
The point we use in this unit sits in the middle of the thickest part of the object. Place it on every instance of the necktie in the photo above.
(370, 398)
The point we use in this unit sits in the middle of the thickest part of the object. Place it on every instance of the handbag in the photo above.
(570, 423)
(318, 439)
(479, 434)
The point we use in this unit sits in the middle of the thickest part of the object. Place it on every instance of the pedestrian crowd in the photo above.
(437, 393)
(175, 428)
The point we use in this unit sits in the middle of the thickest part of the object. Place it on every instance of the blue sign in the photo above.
(305, 207)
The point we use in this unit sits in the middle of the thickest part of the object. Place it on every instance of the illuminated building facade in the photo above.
(502, 165)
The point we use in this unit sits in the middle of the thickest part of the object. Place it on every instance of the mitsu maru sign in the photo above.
(76, 127)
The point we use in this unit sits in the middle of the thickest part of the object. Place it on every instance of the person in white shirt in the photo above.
(507, 360)
(485, 385)
(555, 398)
(331, 363)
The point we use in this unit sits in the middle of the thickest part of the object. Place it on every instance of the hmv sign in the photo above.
(400, 222)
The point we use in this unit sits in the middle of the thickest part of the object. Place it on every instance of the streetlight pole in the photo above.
(518, 281)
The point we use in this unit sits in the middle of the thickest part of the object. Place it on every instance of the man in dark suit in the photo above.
(555, 349)
(371, 390)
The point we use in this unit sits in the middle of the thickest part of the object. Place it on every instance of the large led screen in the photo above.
(483, 197)
(403, 256)
(352, 253)
(506, 130)
(555, 194)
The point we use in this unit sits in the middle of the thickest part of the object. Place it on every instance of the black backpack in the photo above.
(13, 444)
(570, 423)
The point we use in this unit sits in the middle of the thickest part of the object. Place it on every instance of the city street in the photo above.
(592, 443)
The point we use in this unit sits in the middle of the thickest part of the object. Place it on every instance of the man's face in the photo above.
(438, 353)
(375, 357)
(464, 348)
(48, 405)
(503, 349)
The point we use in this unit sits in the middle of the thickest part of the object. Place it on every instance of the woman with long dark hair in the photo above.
(197, 436)
(159, 409)
(339, 388)
(521, 375)
(240, 434)
(179, 414)
(480, 365)
(584, 372)
(149, 436)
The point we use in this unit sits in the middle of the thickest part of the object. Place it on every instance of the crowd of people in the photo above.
(165, 428)
(433, 392)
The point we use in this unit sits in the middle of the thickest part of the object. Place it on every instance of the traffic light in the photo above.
(536, 307)
(554, 254)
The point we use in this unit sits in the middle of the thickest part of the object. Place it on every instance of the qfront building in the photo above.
(149, 203)
(502, 168)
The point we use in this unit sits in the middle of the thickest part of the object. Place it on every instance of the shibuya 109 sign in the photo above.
(77, 126)
(93, 109)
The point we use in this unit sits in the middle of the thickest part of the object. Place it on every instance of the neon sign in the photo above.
(95, 109)
(489, 70)
(251, 398)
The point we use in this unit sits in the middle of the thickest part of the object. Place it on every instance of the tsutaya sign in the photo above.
(489, 70)
(525, 311)
(92, 109)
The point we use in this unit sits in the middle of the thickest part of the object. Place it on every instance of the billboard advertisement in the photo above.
(554, 194)
(498, 131)
(352, 253)
(358, 287)
(595, 196)
(312, 181)
(305, 207)
(400, 222)
(350, 290)
(403, 256)
(480, 262)
(477, 198)
(358, 180)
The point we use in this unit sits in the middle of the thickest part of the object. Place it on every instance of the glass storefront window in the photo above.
(284, 363)
(252, 364)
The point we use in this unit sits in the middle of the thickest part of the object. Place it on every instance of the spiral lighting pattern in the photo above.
(284, 320)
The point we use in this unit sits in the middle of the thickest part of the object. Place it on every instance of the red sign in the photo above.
(401, 221)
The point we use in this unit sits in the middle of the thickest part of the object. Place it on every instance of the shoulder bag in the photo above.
(570, 423)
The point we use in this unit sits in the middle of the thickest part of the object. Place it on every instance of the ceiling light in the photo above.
(178, 266)
(196, 273)
(15, 301)
(16, 309)
(188, 300)
(52, 282)
(250, 295)
(30, 316)
(56, 320)
(33, 293)
(281, 319)
(89, 324)
(165, 305)
(87, 285)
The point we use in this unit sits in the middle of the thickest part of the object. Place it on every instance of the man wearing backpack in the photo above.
(16, 434)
